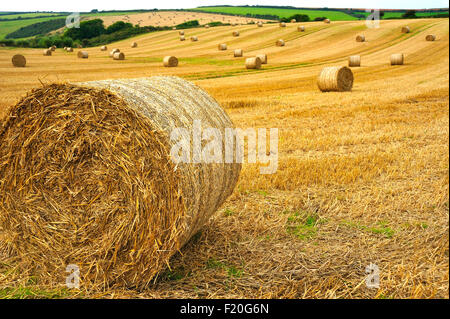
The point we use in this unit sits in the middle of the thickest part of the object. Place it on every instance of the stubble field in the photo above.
(362, 176)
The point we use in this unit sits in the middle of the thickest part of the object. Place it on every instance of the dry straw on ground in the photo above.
(47, 52)
(113, 51)
(360, 38)
(83, 54)
(397, 59)
(253, 63)
(170, 61)
(238, 53)
(354, 60)
(104, 48)
(91, 181)
(119, 56)
(301, 28)
(280, 43)
(222, 47)
(430, 37)
(18, 60)
(263, 58)
(335, 78)
(406, 29)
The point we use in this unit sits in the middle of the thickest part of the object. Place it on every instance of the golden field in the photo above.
(362, 177)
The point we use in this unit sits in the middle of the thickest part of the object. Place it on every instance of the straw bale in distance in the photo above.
(327, 21)
(92, 182)
(354, 60)
(263, 58)
(170, 61)
(111, 53)
(69, 49)
(236, 33)
(182, 38)
(397, 59)
(53, 48)
(83, 54)
(406, 29)
(119, 56)
(238, 53)
(19, 61)
(280, 43)
(103, 48)
(260, 24)
(207, 26)
(293, 21)
(222, 46)
(194, 38)
(360, 38)
(253, 63)
(430, 37)
(181, 32)
(335, 78)
(134, 44)
(47, 52)
(301, 28)
(282, 25)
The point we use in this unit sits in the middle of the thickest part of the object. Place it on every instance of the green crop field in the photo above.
(7, 27)
(281, 12)
(399, 14)
(28, 15)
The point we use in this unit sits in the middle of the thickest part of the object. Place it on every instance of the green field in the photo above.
(282, 13)
(28, 15)
(7, 27)
(399, 14)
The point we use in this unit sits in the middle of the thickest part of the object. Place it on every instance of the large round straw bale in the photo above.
(360, 38)
(280, 43)
(354, 60)
(19, 61)
(253, 63)
(430, 37)
(327, 21)
(182, 38)
(47, 52)
(82, 54)
(263, 58)
(335, 78)
(238, 53)
(301, 28)
(93, 181)
(194, 38)
(53, 48)
(397, 59)
(134, 44)
(170, 61)
(222, 46)
(104, 48)
(406, 29)
(181, 32)
(260, 24)
(69, 49)
(282, 25)
(236, 33)
(119, 56)
(111, 53)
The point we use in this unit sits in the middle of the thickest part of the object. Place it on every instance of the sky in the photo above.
(88, 5)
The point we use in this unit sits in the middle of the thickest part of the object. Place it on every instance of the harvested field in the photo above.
(362, 176)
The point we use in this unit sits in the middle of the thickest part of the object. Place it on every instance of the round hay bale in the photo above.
(236, 33)
(182, 38)
(238, 53)
(19, 61)
(260, 24)
(354, 61)
(111, 53)
(194, 39)
(65, 48)
(47, 52)
(181, 32)
(222, 47)
(282, 25)
(207, 26)
(406, 29)
(397, 59)
(104, 48)
(293, 21)
(430, 37)
(301, 28)
(335, 78)
(134, 44)
(327, 21)
(119, 56)
(82, 54)
(280, 43)
(360, 38)
(170, 61)
(53, 48)
(263, 58)
(69, 49)
(95, 185)
(253, 63)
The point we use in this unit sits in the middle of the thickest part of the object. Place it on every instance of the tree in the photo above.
(117, 26)
(87, 30)
(410, 14)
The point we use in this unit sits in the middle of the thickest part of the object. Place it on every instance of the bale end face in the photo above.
(222, 47)
(360, 38)
(430, 37)
(104, 48)
(263, 58)
(19, 61)
(119, 56)
(134, 45)
(83, 54)
(335, 78)
(47, 52)
(280, 43)
(170, 61)
(406, 29)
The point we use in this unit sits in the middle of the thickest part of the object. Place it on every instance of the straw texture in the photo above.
(406, 29)
(263, 58)
(397, 59)
(354, 60)
(83, 54)
(335, 78)
(47, 52)
(301, 28)
(430, 37)
(253, 63)
(113, 51)
(19, 61)
(119, 56)
(222, 47)
(238, 53)
(360, 38)
(86, 178)
(280, 43)
(170, 61)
